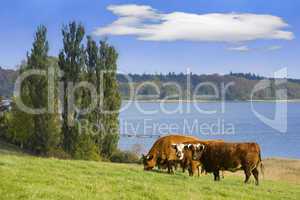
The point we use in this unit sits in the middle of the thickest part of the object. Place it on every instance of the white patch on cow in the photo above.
(179, 151)
(198, 146)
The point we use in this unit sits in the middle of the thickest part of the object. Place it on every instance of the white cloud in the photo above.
(274, 48)
(146, 23)
(239, 48)
(133, 10)
(245, 48)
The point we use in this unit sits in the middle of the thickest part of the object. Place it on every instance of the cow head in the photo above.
(179, 150)
(148, 161)
(197, 150)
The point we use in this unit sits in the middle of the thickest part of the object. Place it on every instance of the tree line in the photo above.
(60, 132)
(244, 83)
(240, 91)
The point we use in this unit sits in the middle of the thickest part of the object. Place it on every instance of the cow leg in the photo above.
(222, 174)
(247, 174)
(170, 167)
(175, 165)
(202, 170)
(182, 164)
(217, 175)
(198, 168)
(255, 174)
(190, 171)
(158, 164)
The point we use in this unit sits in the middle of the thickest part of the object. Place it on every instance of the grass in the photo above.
(27, 177)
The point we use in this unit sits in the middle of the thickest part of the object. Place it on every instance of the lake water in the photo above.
(142, 123)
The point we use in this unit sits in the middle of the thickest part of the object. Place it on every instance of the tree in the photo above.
(46, 132)
(91, 61)
(101, 71)
(20, 125)
(111, 103)
(38, 132)
(71, 62)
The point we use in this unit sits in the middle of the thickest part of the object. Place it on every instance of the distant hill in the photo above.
(241, 90)
(7, 78)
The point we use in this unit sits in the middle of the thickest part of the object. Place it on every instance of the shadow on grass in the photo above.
(177, 173)
(9, 149)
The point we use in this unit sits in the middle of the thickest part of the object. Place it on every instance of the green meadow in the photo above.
(27, 177)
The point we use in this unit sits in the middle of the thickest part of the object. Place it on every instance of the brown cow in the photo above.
(230, 157)
(162, 152)
(187, 161)
(185, 155)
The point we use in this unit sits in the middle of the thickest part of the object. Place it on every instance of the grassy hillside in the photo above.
(26, 177)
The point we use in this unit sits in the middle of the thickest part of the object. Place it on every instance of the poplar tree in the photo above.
(71, 63)
(46, 125)
(101, 65)
(38, 132)
(109, 107)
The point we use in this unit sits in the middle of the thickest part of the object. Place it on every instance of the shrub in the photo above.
(86, 149)
(59, 153)
(124, 157)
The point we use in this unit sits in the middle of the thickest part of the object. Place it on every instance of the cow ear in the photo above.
(186, 147)
(201, 147)
(190, 146)
(198, 147)
(174, 146)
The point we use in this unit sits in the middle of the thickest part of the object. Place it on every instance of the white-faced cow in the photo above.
(163, 154)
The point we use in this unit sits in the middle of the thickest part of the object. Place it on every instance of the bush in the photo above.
(59, 153)
(124, 157)
(86, 149)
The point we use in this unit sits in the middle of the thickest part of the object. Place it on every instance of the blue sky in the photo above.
(178, 44)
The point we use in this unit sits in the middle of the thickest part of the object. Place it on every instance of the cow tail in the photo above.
(262, 167)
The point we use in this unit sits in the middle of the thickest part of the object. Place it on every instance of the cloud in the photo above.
(133, 10)
(274, 48)
(146, 23)
(239, 48)
(245, 48)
